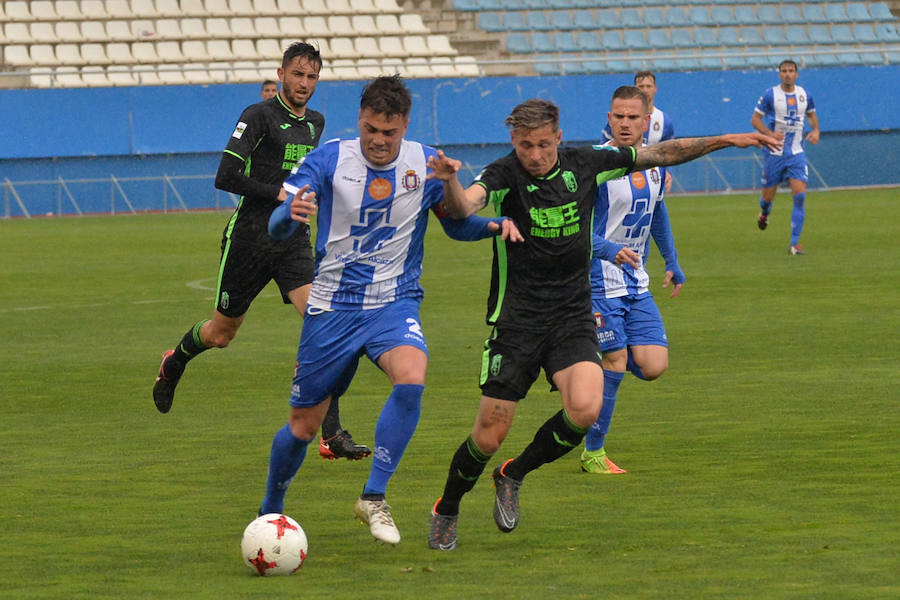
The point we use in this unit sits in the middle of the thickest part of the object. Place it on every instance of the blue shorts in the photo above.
(628, 321)
(781, 168)
(332, 343)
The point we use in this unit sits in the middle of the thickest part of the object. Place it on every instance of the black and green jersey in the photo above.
(547, 277)
(268, 141)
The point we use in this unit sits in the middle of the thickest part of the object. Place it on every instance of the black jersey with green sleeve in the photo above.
(267, 142)
(537, 282)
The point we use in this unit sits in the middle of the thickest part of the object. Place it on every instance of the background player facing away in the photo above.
(269, 89)
(630, 329)
(784, 107)
(373, 195)
(542, 315)
(269, 139)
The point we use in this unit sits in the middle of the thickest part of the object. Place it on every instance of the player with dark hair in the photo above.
(784, 107)
(540, 296)
(661, 126)
(268, 141)
(628, 211)
(269, 89)
(372, 195)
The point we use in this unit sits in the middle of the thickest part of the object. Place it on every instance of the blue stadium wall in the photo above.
(139, 134)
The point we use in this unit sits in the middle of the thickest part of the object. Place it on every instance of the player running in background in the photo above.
(269, 139)
(372, 196)
(630, 329)
(540, 298)
(781, 111)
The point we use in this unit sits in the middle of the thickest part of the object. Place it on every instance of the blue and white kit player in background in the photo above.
(784, 107)
(628, 211)
(371, 196)
(661, 127)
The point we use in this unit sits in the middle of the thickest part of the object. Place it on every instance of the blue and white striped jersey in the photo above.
(661, 128)
(787, 113)
(370, 224)
(623, 213)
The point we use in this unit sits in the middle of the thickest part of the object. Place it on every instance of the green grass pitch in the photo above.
(764, 464)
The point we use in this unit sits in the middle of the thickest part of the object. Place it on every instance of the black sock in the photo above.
(331, 425)
(465, 468)
(191, 345)
(555, 438)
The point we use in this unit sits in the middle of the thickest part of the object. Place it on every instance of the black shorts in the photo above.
(513, 357)
(246, 268)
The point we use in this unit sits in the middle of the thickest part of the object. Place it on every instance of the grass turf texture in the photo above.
(763, 464)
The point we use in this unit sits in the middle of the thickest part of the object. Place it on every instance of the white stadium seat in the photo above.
(169, 52)
(168, 29)
(146, 75)
(144, 9)
(43, 10)
(41, 77)
(17, 11)
(42, 54)
(119, 31)
(369, 68)
(387, 7)
(169, 9)
(17, 55)
(144, 53)
(219, 71)
(341, 68)
(392, 47)
(443, 66)
(242, 7)
(194, 74)
(217, 28)
(367, 47)
(415, 45)
(269, 49)
(195, 50)
(292, 26)
(94, 53)
(91, 31)
(119, 53)
(266, 7)
(69, 10)
(94, 76)
(67, 77)
(17, 33)
(440, 45)
(340, 25)
(42, 33)
(194, 8)
(338, 7)
(171, 74)
(467, 66)
(120, 75)
(143, 29)
(68, 54)
(242, 27)
(267, 27)
(388, 24)
(194, 29)
(362, 7)
(289, 7)
(93, 10)
(315, 25)
(416, 66)
(364, 25)
(118, 9)
(315, 7)
(244, 50)
(218, 49)
(342, 47)
(412, 23)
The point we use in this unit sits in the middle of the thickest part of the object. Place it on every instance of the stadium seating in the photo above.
(201, 40)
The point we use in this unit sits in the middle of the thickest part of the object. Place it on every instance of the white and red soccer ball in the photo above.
(274, 544)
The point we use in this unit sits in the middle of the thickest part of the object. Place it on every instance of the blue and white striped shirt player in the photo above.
(786, 112)
(661, 128)
(628, 211)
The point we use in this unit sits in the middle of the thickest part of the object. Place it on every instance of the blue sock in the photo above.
(285, 459)
(394, 429)
(596, 435)
(797, 217)
(634, 368)
(765, 207)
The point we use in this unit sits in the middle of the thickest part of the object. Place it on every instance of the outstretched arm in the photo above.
(681, 150)
(460, 202)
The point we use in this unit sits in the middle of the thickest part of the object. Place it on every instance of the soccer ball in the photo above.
(274, 544)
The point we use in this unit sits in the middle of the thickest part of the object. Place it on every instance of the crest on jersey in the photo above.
(656, 126)
(802, 99)
(571, 182)
(654, 176)
(601, 323)
(411, 180)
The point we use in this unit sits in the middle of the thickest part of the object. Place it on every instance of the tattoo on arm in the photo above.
(675, 152)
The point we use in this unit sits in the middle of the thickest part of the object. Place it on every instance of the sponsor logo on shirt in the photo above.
(638, 180)
(495, 364)
(555, 221)
(380, 188)
(239, 130)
